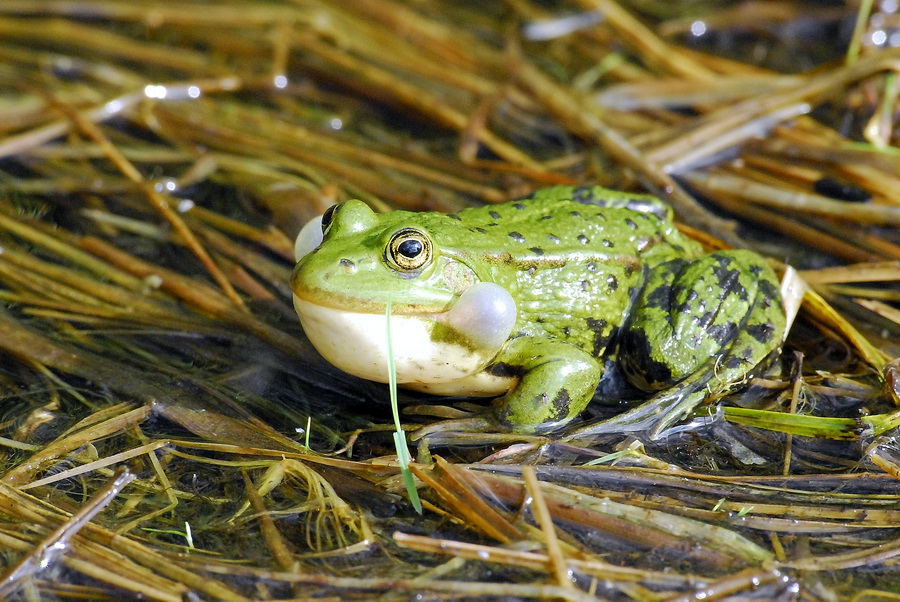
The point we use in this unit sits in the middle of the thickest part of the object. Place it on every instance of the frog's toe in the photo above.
(651, 419)
(474, 424)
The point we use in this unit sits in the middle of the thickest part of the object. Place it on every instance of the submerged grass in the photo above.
(166, 431)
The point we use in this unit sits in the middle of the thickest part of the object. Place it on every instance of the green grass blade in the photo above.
(822, 427)
(399, 437)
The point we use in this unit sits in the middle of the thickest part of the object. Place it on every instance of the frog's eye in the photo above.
(408, 250)
(328, 217)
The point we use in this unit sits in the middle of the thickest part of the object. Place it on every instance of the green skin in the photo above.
(596, 276)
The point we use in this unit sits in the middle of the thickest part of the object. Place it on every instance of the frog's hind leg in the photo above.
(698, 327)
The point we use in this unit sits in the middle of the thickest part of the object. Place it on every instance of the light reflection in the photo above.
(64, 64)
(336, 123)
(167, 185)
(281, 81)
(153, 281)
(548, 29)
(113, 106)
(879, 37)
(155, 91)
(698, 28)
(185, 205)
(193, 91)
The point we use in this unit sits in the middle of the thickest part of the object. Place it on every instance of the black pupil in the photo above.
(409, 248)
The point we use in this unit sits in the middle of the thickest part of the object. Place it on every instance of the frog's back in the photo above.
(565, 223)
(574, 258)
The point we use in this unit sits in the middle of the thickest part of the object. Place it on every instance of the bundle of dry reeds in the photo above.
(167, 431)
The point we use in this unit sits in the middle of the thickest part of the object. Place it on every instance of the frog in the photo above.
(532, 302)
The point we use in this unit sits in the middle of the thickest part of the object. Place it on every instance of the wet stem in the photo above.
(399, 436)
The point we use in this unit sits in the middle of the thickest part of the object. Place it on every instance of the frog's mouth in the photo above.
(337, 301)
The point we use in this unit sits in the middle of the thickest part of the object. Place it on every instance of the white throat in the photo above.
(357, 344)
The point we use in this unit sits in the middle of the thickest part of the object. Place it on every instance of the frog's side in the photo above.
(529, 299)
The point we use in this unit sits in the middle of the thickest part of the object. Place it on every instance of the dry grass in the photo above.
(155, 386)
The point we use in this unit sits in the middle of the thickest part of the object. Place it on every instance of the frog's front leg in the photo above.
(697, 326)
(556, 382)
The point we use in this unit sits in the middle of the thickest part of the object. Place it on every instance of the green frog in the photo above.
(533, 301)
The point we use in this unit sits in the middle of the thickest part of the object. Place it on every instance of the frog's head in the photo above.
(361, 259)
(445, 324)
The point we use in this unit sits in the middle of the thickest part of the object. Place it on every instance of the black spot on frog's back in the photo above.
(769, 292)
(583, 194)
(722, 333)
(659, 298)
(602, 335)
(728, 278)
(761, 332)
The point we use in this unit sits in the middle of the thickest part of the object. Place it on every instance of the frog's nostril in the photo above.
(349, 266)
